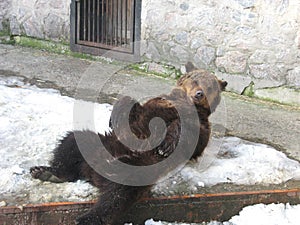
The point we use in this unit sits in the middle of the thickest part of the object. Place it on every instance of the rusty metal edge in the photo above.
(43, 207)
(224, 194)
(207, 207)
(187, 208)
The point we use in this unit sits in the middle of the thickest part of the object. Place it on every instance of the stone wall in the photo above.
(5, 8)
(37, 18)
(242, 40)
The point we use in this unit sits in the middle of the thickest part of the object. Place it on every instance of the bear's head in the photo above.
(202, 87)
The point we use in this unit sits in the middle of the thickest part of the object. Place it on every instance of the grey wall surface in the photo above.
(241, 40)
(37, 18)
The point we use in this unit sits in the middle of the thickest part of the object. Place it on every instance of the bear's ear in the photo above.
(189, 67)
(182, 79)
(222, 84)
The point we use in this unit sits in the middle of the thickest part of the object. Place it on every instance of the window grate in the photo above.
(106, 24)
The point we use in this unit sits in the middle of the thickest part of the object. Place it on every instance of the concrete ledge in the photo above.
(283, 95)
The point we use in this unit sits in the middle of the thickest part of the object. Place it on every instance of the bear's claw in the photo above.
(43, 173)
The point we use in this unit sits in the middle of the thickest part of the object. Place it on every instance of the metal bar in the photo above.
(101, 9)
(81, 26)
(117, 22)
(126, 21)
(94, 15)
(77, 18)
(131, 41)
(104, 21)
(88, 20)
(107, 21)
(84, 20)
(92, 18)
(122, 19)
(98, 21)
(112, 23)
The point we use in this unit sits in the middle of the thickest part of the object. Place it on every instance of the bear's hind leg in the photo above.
(114, 202)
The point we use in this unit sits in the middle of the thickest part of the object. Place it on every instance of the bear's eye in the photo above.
(199, 94)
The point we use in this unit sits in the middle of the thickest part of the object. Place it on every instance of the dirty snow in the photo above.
(232, 160)
(31, 122)
(33, 119)
(260, 214)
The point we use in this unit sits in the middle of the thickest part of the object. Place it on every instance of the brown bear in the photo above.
(197, 90)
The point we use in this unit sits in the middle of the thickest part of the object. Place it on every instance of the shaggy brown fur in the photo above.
(198, 88)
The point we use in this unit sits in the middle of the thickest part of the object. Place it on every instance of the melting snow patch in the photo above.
(260, 214)
(233, 160)
(31, 122)
(247, 163)
(272, 214)
(268, 215)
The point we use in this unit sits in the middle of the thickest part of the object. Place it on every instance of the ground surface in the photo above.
(31, 127)
(247, 118)
(254, 120)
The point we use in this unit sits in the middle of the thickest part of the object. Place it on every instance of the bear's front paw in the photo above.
(39, 172)
(165, 149)
(43, 173)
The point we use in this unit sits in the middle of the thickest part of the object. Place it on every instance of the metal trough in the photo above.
(195, 208)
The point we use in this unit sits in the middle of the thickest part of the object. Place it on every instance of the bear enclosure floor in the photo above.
(250, 119)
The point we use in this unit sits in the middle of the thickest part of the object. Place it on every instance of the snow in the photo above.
(232, 160)
(282, 214)
(272, 214)
(31, 122)
(33, 119)
(238, 162)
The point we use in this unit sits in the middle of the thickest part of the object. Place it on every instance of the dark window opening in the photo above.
(106, 27)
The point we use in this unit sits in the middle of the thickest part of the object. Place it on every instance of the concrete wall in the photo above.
(242, 40)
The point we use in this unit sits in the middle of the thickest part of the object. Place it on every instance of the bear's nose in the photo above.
(199, 94)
